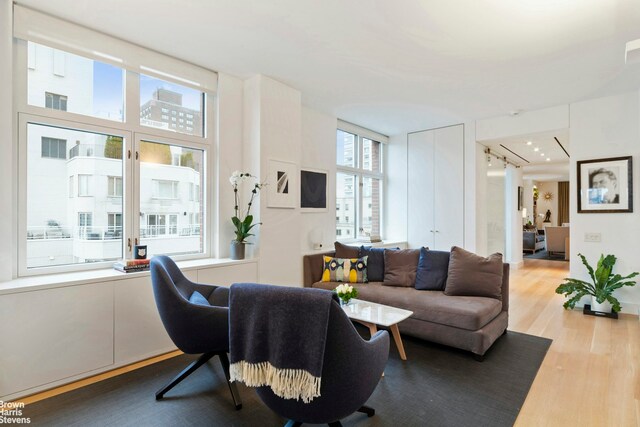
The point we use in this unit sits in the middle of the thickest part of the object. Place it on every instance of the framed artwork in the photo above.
(313, 190)
(605, 185)
(520, 197)
(282, 185)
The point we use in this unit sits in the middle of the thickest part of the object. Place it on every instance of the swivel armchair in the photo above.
(351, 368)
(195, 317)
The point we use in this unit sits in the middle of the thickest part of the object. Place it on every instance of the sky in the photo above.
(108, 91)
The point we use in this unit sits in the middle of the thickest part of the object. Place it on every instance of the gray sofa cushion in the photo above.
(433, 267)
(469, 313)
(346, 251)
(400, 267)
(473, 275)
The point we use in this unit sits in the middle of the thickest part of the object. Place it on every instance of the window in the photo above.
(118, 177)
(54, 148)
(84, 230)
(114, 226)
(55, 101)
(114, 188)
(157, 93)
(159, 225)
(96, 88)
(157, 162)
(163, 189)
(359, 181)
(84, 185)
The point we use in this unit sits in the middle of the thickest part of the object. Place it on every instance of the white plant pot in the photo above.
(605, 307)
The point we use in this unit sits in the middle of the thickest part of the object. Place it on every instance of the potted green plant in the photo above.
(602, 288)
(242, 221)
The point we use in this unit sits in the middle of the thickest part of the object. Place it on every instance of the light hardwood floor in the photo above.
(590, 376)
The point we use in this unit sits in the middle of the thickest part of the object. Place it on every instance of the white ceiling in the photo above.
(392, 66)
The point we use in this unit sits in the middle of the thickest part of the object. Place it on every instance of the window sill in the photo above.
(51, 281)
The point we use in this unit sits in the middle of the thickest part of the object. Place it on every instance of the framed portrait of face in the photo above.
(605, 185)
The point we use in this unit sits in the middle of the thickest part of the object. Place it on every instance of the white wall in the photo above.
(495, 223)
(275, 136)
(480, 203)
(601, 128)
(470, 164)
(7, 129)
(228, 158)
(395, 206)
(544, 205)
(318, 152)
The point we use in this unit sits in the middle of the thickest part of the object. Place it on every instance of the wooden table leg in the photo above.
(398, 339)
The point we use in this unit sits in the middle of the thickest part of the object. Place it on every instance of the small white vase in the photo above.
(605, 307)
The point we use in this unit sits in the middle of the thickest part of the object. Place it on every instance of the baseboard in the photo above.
(516, 265)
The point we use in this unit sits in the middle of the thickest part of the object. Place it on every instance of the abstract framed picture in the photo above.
(313, 190)
(282, 185)
(605, 185)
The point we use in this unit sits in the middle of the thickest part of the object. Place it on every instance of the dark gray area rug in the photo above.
(436, 386)
(545, 255)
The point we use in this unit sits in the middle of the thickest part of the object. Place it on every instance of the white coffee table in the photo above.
(372, 314)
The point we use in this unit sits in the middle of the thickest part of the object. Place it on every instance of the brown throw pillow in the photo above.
(346, 251)
(400, 267)
(473, 275)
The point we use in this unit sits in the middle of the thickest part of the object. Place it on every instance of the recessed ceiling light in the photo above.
(529, 142)
(542, 154)
(536, 149)
(548, 159)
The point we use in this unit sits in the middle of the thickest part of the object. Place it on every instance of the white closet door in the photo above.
(449, 187)
(420, 175)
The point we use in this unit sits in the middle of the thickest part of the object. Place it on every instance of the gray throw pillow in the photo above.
(400, 267)
(346, 251)
(473, 275)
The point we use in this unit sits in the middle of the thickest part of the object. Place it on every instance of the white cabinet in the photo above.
(435, 190)
(52, 336)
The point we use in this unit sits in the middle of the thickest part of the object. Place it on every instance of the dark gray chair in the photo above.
(194, 328)
(352, 368)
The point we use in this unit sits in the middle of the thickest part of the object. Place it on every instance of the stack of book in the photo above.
(132, 265)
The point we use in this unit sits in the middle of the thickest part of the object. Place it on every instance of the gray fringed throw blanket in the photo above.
(277, 337)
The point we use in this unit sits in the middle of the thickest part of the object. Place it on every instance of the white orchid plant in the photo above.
(243, 222)
(345, 292)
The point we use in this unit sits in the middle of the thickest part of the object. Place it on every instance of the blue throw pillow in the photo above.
(433, 267)
(375, 262)
(198, 298)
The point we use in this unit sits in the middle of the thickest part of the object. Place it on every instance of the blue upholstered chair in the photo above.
(352, 368)
(199, 326)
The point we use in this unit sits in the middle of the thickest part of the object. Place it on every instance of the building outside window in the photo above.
(55, 101)
(102, 149)
(359, 181)
(84, 185)
(114, 188)
(54, 148)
